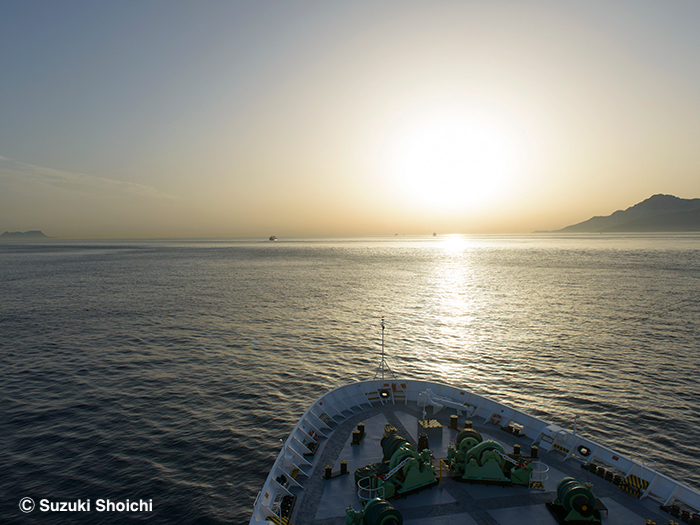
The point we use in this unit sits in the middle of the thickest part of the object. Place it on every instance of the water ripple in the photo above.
(171, 371)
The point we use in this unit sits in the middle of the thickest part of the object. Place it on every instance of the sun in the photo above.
(449, 162)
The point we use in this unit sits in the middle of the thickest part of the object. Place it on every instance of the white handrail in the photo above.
(373, 492)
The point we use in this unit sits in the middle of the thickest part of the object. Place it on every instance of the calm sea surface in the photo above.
(169, 371)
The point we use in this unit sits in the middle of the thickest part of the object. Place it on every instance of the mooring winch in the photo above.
(575, 503)
(376, 512)
(402, 470)
(479, 461)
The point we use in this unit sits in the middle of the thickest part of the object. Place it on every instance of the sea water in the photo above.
(160, 376)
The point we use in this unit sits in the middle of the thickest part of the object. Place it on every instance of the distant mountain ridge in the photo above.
(658, 213)
(21, 236)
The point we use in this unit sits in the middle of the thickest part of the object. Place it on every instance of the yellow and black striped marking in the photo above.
(559, 447)
(278, 521)
(634, 485)
(538, 485)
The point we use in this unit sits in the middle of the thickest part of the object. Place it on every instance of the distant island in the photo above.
(33, 235)
(658, 213)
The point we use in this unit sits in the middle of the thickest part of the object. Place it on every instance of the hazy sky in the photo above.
(227, 118)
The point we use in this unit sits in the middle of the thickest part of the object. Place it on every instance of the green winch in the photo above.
(575, 503)
(402, 470)
(376, 512)
(481, 461)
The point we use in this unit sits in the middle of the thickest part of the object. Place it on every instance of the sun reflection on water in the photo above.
(454, 307)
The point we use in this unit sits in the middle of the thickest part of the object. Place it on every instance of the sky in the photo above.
(303, 118)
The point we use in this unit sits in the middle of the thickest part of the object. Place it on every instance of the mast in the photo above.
(383, 365)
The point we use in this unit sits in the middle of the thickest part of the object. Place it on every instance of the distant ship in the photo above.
(273, 238)
(393, 438)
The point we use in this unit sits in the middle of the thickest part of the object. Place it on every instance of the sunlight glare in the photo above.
(449, 160)
(454, 243)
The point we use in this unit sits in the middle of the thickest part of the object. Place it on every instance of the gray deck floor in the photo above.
(324, 501)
